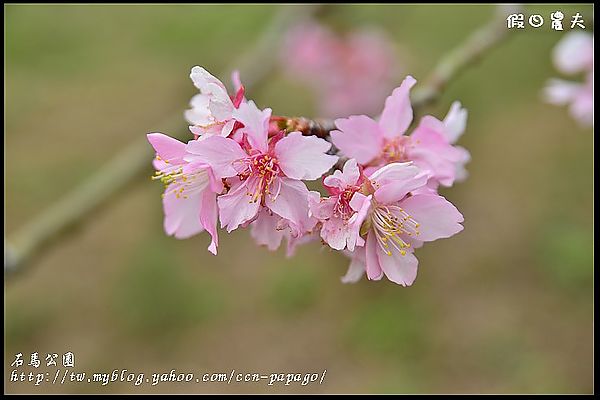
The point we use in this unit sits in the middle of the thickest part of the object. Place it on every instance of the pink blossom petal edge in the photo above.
(397, 113)
(303, 157)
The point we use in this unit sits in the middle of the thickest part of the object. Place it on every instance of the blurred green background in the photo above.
(505, 306)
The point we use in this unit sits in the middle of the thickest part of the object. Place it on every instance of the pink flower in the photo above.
(189, 200)
(455, 124)
(243, 169)
(376, 143)
(269, 230)
(397, 221)
(263, 172)
(350, 73)
(212, 109)
(572, 55)
(340, 222)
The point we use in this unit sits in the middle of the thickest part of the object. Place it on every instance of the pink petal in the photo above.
(461, 172)
(335, 233)
(561, 92)
(236, 207)
(168, 148)
(291, 203)
(235, 79)
(321, 208)
(431, 150)
(395, 180)
(265, 230)
(342, 179)
(362, 205)
(431, 187)
(400, 269)
(358, 200)
(227, 128)
(436, 216)
(159, 165)
(394, 173)
(455, 122)
(356, 270)
(397, 113)
(221, 110)
(206, 131)
(293, 242)
(256, 124)
(358, 137)
(582, 107)
(303, 157)
(574, 53)
(393, 192)
(208, 218)
(216, 184)
(199, 114)
(430, 124)
(218, 152)
(374, 271)
(182, 215)
(206, 82)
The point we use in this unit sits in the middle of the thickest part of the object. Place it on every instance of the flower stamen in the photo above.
(180, 184)
(260, 172)
(390, 224)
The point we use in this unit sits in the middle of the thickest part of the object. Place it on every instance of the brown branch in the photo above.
(310, 127)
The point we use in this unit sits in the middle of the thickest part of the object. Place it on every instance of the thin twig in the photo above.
(133, 161)
(468, 53)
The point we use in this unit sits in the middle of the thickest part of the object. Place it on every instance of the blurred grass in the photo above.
(154, 299)
(389, 328)
(293, 288)
(506, 306)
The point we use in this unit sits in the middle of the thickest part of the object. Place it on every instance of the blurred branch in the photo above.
(478, 44)
(468, 53)
(255, 65)
(134, 160)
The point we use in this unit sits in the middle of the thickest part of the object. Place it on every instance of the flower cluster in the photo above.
(574, 54)
(245, 167)
(349, 73)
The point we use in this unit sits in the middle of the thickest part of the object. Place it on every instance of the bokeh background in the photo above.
(506, 306)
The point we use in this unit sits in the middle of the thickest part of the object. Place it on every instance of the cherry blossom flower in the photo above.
(397, 221)
(350, 73)
(189, 200)
(269, 229)
(377, 143)
(212, 109)
(263, 172)
(574, 54)
(340, 222)
(245, 168)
